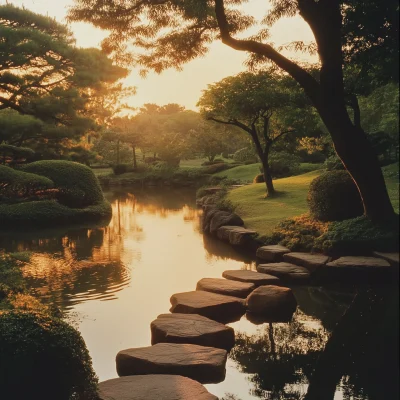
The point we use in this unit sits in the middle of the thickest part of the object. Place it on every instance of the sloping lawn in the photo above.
(263, 214)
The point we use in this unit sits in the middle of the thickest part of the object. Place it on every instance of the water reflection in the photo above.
(118, 277)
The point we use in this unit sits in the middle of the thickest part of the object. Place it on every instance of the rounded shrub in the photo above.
(77, 184)
(259, 178)
(333, 196)
(42, 357)
(120, 169)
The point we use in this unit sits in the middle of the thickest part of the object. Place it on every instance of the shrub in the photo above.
(333, 196)
(259, 178)
(120, 169)
(214, 168)
(215, 161)
(77, 183)
(333, 163)
(245, 155)
(283, 164)
(16, 185)
(42, 357)
(359, 235)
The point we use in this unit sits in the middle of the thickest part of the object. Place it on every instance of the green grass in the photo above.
(246, 173)
(263, 214)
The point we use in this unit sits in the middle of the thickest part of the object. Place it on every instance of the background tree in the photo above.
(47, 84)
(265, 105)
(175, 32)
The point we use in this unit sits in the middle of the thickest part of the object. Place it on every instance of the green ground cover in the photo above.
(263, 214)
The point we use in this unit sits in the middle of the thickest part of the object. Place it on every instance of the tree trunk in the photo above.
(357, 155)
(267, 172)
(134, 157)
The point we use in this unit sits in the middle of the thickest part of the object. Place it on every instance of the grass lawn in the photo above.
(246, 173)
(264, 214)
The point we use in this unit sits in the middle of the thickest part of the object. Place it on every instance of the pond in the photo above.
(112, 281)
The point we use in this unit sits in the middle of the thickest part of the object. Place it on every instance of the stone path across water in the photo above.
(225, 287)
(191, 328)
(153, 387)
(286, 272)
(203, 364)
(247, 276)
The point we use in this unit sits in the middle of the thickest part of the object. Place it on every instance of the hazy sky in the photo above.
(183, 87)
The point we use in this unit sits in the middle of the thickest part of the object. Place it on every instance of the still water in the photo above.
(112, 281)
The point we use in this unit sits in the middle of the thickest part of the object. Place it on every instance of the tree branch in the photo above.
(309, 84)
(281, 134)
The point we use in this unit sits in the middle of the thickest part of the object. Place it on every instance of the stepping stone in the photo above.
(211, 305)
(191, 328)
(225, 287)
(288, 273)
(223, 231)
(203, 364)
(272, 253)
(246, 276)
(357, 268)
(241, 237)
(272, 301)
(153, 387)
(306, 260)
(391, 258)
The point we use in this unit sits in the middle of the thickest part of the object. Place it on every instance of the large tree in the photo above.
(265, 105)
(173, 32)
(48, 86)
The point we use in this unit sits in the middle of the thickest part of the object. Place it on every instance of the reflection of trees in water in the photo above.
(302, 360)
(280, 356)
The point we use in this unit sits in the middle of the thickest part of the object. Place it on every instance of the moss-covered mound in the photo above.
(76, 182)
(48, 193)
(42, 357)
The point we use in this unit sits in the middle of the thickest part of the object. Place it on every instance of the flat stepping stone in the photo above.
(211, 305)
(392, 258)
(288, 273)
(191, 328)
(246, 276)
(203, 364)
(223, 231)
(272, 253)
(225, 287)
(307, 260)
(241, 237)
(272, 301)
(153, 387)
(357, 268)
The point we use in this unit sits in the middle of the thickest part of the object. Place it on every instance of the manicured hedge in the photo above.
(334, 196)
(42, 357)
(77, 183)
(49, 213)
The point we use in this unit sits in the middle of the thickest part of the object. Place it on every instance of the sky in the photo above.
(182, 87)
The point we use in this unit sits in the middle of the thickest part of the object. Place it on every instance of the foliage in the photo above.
(46, 213)
(17, 185)
(47, 355)
(77, 184)
(12, 154)
(215, 168)
(120, 169)
(11, 279)
(283, 164)
(359, 235)
(259, 178)
(333, 196)
(333, 163)
(48, 84)
(244, 155)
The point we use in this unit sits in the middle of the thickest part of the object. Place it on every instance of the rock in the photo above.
(391, 258)
(208, 213)
(153, 387)
(223, 231)
(246, 276)
(203, 364)
(211, 305)
(222, 218)
(212, 190)
(288, 273)
(306, 260)
(356, 268)
(241, 237)
(272, 253)
(191, 328)
(225, 287)
(272, 301)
